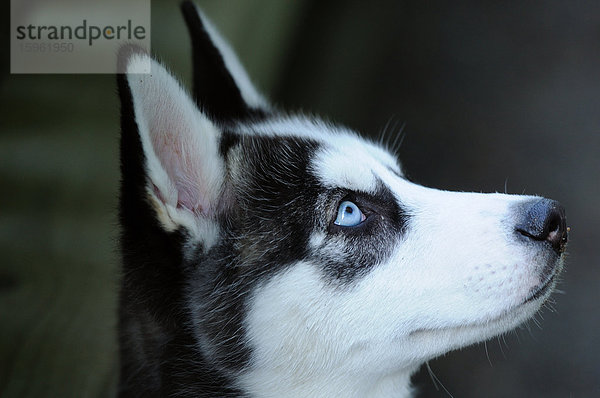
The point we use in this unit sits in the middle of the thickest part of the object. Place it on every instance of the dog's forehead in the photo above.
(350, 162)
(341, 159)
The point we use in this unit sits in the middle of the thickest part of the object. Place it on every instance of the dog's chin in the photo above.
(439, 340)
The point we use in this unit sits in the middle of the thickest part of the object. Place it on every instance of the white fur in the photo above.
(306, 344)
(347, 162)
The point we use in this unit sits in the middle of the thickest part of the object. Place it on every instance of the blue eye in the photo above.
(349, 215)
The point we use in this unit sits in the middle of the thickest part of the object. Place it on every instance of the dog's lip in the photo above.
(543, 287)
(483, 323)
(537, 293)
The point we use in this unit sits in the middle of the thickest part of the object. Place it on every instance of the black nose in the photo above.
(544, 220)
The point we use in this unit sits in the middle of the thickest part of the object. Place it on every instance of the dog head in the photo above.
(289, 247)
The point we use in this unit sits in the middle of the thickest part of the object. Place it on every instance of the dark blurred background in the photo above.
(494, 95)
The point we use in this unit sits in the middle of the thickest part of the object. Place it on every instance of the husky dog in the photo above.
(275, 255)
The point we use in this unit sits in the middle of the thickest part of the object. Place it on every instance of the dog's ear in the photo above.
(222, 87)
(169, 148)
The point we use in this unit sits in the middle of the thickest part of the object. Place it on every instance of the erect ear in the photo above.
(180, 169)
(221, 85)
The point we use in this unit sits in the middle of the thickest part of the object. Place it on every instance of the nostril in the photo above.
(555, 227)
(544, 220)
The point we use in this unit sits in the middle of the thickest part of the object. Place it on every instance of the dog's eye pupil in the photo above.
(349, 215)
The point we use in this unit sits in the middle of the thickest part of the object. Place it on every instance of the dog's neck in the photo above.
(280, 383)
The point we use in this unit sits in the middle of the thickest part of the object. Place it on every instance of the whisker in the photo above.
(435, 380)
(487, 354)
(398, 138)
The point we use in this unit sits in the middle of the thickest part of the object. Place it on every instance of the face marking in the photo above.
(286, 201)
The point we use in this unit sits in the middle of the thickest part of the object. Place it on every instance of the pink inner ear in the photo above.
(185, 200)
(174, 148)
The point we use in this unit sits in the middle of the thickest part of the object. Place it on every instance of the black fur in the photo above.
(156, 346)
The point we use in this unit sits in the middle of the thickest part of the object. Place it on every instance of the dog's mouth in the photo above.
(543, 287)
(538, 292)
